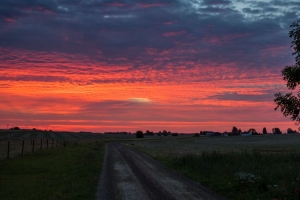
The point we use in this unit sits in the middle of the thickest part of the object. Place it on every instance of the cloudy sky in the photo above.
(125, 65)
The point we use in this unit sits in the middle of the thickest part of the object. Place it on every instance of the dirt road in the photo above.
(129, 174)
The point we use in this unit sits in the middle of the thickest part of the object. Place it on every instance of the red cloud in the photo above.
(170, 34)
(145, 5)
(10, 20)
(116, 4)
(223, 38)
(170, 22)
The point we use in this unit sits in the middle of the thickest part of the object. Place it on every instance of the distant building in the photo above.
(211, 133)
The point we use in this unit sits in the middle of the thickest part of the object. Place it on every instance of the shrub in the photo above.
(139, 134)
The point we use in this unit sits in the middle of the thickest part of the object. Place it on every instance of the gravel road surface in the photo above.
(130, 174)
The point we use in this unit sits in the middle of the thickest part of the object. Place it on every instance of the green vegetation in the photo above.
(254, 167)
(70, 172)
(242, 175)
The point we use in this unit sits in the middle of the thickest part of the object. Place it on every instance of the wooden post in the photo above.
(52, 143)
(22, 147)
(47, 143)
(41, 144)
(32, 146)
(8, 145)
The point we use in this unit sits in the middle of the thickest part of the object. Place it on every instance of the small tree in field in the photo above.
(139, 134)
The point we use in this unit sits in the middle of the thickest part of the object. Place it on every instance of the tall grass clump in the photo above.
(243, 175)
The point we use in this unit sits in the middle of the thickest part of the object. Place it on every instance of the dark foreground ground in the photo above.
(130, 174)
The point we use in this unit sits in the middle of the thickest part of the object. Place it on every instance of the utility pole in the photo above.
(7, 126)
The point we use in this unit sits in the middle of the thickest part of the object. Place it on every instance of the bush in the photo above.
(139, 134)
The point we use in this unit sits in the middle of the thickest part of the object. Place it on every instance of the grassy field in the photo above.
(62, 173)
(256, 167)
(69, 170)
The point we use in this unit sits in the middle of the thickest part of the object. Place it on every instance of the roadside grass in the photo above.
(242, 175)
(262, 167)
(70, 172)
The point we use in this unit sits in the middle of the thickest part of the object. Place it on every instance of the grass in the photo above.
(243, 175)
(262, 167)
(70, 172)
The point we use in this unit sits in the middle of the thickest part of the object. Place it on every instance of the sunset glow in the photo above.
(123, 66)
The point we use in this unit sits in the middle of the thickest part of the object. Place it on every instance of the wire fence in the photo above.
(14, 147)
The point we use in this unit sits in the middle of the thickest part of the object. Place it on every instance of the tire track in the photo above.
(130, 174)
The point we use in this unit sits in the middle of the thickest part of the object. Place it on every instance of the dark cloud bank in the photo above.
(154, 33)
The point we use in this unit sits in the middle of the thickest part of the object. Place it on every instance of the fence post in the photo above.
(41, 144)
(22, 147)
(52, 143)
(8, 144)
(32, 146)
(47, 143)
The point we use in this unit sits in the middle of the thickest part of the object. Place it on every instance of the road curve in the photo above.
(130, 174)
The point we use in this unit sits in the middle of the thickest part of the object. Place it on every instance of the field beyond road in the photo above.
(254, 167)
(186, 144)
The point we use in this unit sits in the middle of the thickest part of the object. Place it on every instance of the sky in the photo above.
(125, 65)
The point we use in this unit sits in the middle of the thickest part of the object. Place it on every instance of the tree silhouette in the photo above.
(149, 133)
(289, 130)
(139, 134)
(165, 133)
(276, 131)
(235, 131)
(290, 104)
(253, 131)
(265, 130)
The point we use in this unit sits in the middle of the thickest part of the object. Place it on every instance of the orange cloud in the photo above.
(73, 92)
